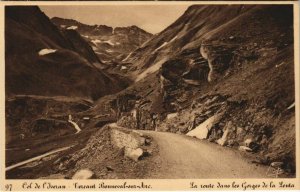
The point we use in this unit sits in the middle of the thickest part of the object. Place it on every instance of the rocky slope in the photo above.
(111, 45)
(232, 61)
(37, 53)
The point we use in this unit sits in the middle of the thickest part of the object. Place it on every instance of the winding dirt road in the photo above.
(37, 158)
(181, 156)
(75, 126)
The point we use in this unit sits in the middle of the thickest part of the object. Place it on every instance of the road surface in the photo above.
(182, 157)
(36, 158)
(75, 126)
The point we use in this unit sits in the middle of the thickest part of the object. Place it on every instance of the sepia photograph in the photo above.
(150, 91)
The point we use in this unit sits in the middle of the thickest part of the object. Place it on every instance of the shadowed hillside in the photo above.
(41, 60)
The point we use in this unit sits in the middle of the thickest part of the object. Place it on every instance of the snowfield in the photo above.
(46, 51)
(164, 44)
(72, 27)
(151, 69)
(96, 41)
(174, 38)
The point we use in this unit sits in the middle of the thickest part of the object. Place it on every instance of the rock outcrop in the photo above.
(202, 130)
(131, 142)
(83, 174)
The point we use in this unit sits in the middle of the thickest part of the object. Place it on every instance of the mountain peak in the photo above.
(110, 44)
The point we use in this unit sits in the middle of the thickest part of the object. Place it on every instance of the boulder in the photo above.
(84, 174)
(229, 127)
(244, 148)
(248, 142)
(222, 141)
(252, 144)
(201, 131)
(277, 164)
(138, 133)
(172, 115)
(121, 138)
(134, 154)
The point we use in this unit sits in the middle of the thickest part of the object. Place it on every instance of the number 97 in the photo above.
(8, 187)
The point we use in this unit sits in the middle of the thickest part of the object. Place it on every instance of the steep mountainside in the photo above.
(228, 66)
(42, 60)
(110, 44)
(188, 29)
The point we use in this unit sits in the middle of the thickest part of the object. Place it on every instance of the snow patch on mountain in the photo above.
(174, 38)
(95, 41)
(46, 51)
(164, 44)
(72, 27)
(151, 69)
(105, 61)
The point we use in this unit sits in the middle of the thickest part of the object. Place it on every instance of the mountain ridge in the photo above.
(111, 45)
(70, 22)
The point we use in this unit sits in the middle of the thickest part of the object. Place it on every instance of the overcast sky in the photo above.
(152, 18)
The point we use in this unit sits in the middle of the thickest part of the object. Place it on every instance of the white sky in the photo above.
(152, 18)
